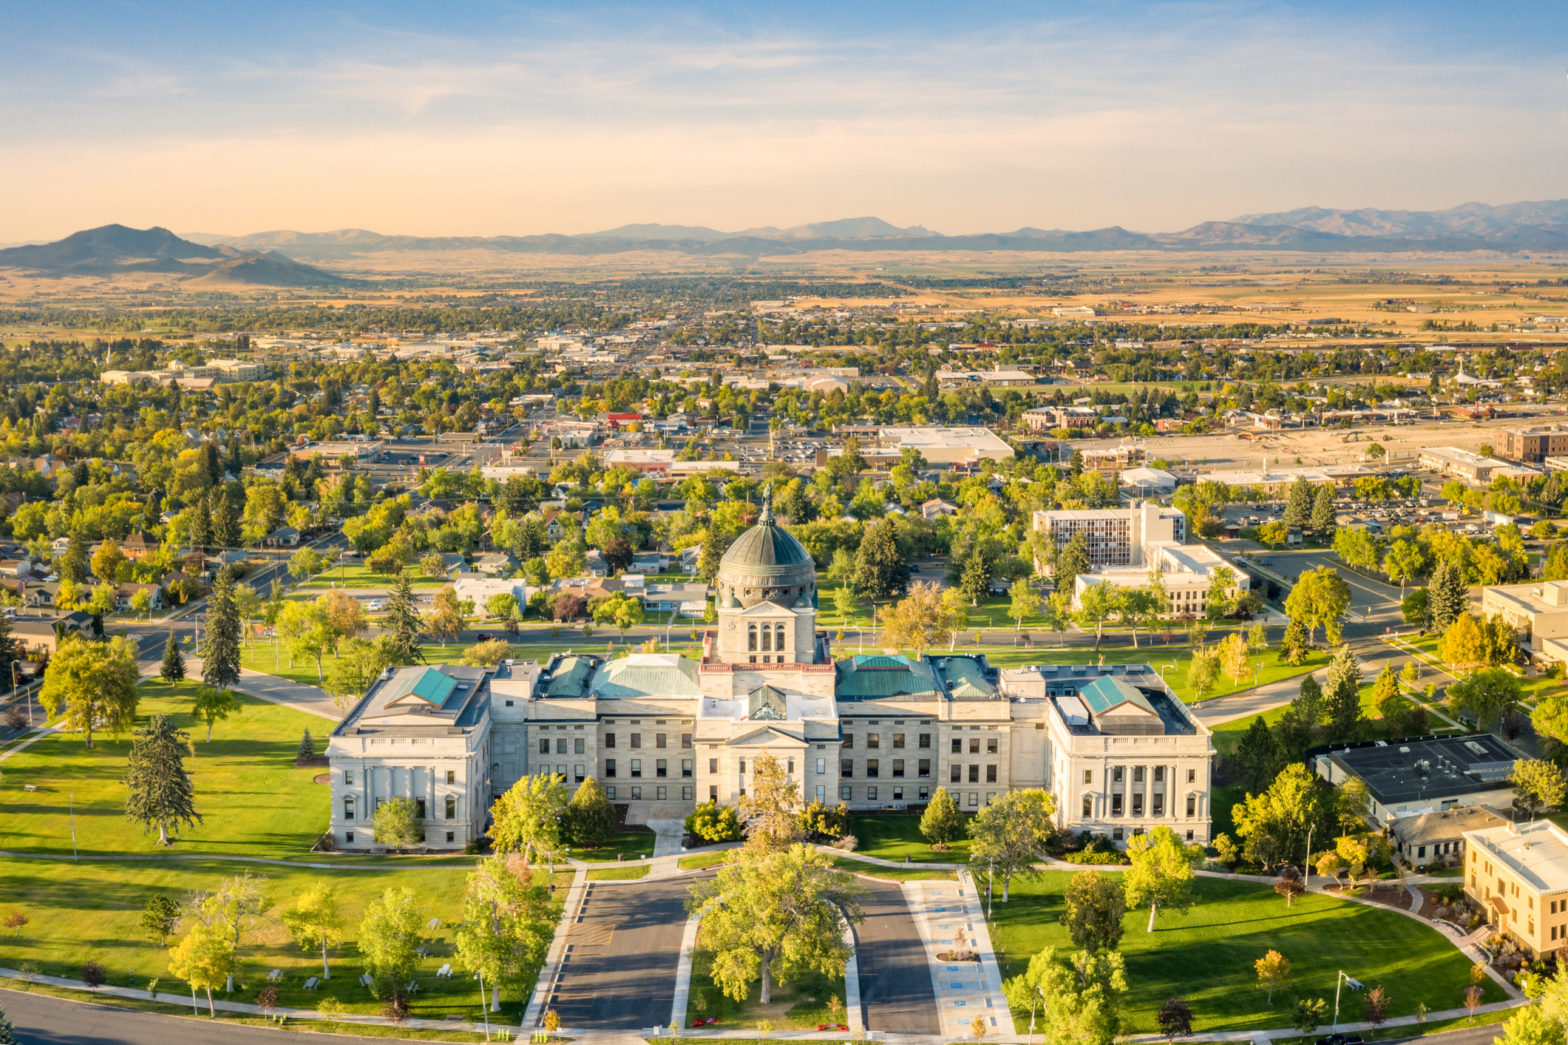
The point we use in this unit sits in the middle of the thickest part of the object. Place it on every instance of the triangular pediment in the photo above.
(765, 736)
(767, 609)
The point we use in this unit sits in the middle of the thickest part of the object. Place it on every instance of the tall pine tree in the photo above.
(403, 624)
(1342, 698)
(220, 647)
(173, 669)
(1447, 596)
(1323, 510)
(1072, 560)
(880, 569)
(159, 792)
(1298, 508)
(8, 655)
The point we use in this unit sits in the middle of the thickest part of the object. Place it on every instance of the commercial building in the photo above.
(1538, 611)
(662, 732)
(1072, 418)
(1116, 536)
(1424, 774)
(966, 445)
(1518, 875)
(1469, 466)
(1437, 839)
(1535, 445)
(1186, 574)
(1278, 479)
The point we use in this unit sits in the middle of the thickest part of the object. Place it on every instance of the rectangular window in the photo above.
(846, 767)
(873, 740)
(685, 740)
(661, 767)
(609, 767)
(1088, 805)
(1088, 776)
(958, 746)
(974, 745)
(898, 767)
(974, 772)
(713, 792)
(658, 739)
(451, 836)
(974, 800)
(636, 793)
(845, 793)
(822, 794)
(743, 768)
(451, 776)
(925, 793)
(686, 793)
(579, 746)
(560, 745)
(686, 768)
(849, 741)
(1157, 804)
(925, 740)
(822, 766)
(990, 745)
(636, 741)
(660, 793)
(636, 768)
(1116, 803)
(348, 838)
(1192, 805)
(348, 808)
(1116, 774)
(713, 765)
(419, 806)
(872, 767)
(898, 740)
(955, 773)
(451, 807)
(990, 773)
(898, 794)
(1192, 776)
(544, 745)
(609, 792)
(609, 740)
(348, 778)
(871, 793)
(577, 773)
(1137, 774)
(789, 766)
(1137, 803)
(924, 768)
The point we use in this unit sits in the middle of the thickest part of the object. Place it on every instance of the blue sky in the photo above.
(498, 117)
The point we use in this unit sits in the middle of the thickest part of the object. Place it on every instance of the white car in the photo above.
(376, 605)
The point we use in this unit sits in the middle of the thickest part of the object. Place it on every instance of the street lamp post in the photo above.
(990, 891)
(1306, 862)
(484, 1002)
(1039, 993)
(1342, 978)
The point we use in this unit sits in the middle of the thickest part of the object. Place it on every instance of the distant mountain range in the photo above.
(115, 249)
(284, 258)
(1541, 226)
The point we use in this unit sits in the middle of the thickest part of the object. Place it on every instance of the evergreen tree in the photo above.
(7, 1032)
(976, 580)
(1323, 510)
(1298, 508)
(590, 816)
(1447, 596)
(157, 784)
(8, 654)
(225, 519)
(880, 569)
(941, 823)
(220, 646)
(403, 624)
(1257, 757)
(73, 565)
(212, 463)
(307, 747)
(1342, 699)
(1072, 560)
(201, 525)
(1293, 648)
(712, 552)
(173, 669)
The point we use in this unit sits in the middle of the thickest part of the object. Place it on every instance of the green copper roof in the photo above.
(431, 685)
(870, 677)
(570, 677)
(767, 704)
(647, 675)
(966, 679)
(1105, 693)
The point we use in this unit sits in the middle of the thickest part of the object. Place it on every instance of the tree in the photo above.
(307, 747)
(220, 646)
(1273, 825)
(507, 924)
(845, 603)
(1550, 717)
(919, 620)
(205, 959)
(590, 816)
(529, 817)
(1376, 1009)
(1322, 520)
(1175, 1017)
(1403, 562)
(403, 624)
(159, 918)
(1139, 606)
(1012, 832)
(1071, 561)
(1342, 698)
(1298, 505)
(397, 824)
(173, 668)
(1160, 874)
(487, 653)
(1351, 804)
(1093, 908)
(712, 822)
(1293, 647)
(1489, 695)
(1273, 972)
(93, 684)
(7, 1032)
(306, 563)
(446, 620)
(1307, 1014)
(1448, 598)
(880, 569)
(1233, 657)
(975, 580)
(1203, 671)
(1080, 995)
(1096, 604)
(774, 915)
(1462, 645)
(1319, 599)
(316, 920)
(771, 807)
(1530, 1025)
(941, 823)
(158, 788)
(213, 705)
(1538, 784)
(388, 938)
(1257, 756)
(345, 615)
(1025, 602)
(1353, 853)
(1289, 884)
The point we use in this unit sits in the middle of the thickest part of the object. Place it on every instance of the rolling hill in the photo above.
(116, 249)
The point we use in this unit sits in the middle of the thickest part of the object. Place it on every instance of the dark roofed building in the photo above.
(1424, 774)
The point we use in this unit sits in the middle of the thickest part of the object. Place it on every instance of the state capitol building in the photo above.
(663, 732)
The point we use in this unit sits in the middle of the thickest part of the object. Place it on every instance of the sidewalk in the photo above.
(274, 689)
(944, 912)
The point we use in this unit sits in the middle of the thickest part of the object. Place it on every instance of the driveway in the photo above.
(895, 978)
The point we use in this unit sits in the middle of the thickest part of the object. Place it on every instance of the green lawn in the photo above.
(703, 860)
(1173, 659)
(894, 837)
(618, 874)
(358, 575)
(1206, 956)
(632, 843)
(252, 797)
(912, 873)
(79, 912)
(800, 1004)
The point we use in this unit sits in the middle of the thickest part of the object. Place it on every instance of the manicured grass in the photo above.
(358, 575)
(272, 658)
(618, 874)
(894, 837)
(81, 912)
(703, 860)
(913, 873)
(1206, 956)
(800, 1004)
(1174, 659)
(253, 799)
(631, 843)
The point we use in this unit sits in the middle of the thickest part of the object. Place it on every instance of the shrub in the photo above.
(93, 975)
(847, 843)
(326, 842)
(713, 822)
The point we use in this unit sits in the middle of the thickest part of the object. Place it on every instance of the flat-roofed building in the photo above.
(968, 444)
(1116, 536)
(1538, 611)
(1470, 466)
(1187, 575)
(1518, 875)
(1424, 774)
(1535, 445)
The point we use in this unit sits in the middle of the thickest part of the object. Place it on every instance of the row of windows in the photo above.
(1156, 804)
(1118, 775)
(661, 767)
(448, 806)
(874, 740)
(760, 637)
(634, 741)
(348, 776)
(660, 793)
(874, 767)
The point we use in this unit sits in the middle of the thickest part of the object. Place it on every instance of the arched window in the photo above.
(348, 807)
(778, 636)
(451, 807)
(751, 638)
(767, 639)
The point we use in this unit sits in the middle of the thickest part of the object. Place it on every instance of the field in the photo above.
(357, 576)
(899, 837)
(252, 798)
(797, 1005)
(1232, 925)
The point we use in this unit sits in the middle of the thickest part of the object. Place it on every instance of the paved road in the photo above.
(43, 1020)
(1373, 654)
(895, 978)
(1373, 600)
(619, 972)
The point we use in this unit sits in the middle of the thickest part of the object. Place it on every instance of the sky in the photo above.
(494, 117)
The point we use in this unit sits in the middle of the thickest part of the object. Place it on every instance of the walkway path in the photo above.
(1219, 710)
(949, 917)
(313, 700)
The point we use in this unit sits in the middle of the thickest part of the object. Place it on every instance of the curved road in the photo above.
(41, 1019)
